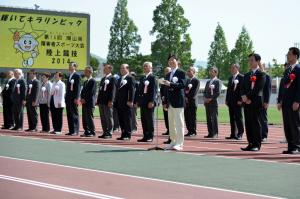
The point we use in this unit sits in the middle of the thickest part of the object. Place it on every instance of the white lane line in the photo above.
(57, 187)
(145, 178)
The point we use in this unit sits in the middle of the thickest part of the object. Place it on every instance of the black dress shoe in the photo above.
(105, 136)
(254, 149)
(230, 138)
(246, 148)
(238, 138)
(124, 138)
(17, 129)
(68, 134)
(166, 133)
(211, 136)
(168, 141)
(74, 134)
(190, 134)
(294, 151)
(31, 130)
(5, 127)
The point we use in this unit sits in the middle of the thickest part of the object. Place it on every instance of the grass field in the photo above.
(273, 114)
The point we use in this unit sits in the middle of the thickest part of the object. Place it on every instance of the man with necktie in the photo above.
(105, 101)
(190, 110)
(88, 101)
(32, 100)
(72, 99)
(234, 102)
(7, 101)
(252, 96)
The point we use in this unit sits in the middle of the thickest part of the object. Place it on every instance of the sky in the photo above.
(273, 25)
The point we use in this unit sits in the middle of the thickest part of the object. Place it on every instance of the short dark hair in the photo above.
(256, 56)
(109, 65)
(48, 75)
(74, 64)
(295, 51)
(172, 56)
(32, 71)
(60, 74)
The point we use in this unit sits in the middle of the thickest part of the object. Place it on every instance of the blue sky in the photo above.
(274, 25)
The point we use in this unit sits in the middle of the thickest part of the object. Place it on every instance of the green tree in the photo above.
(243, 47)
(124, 38)
(202, 73)
(94, 63)
(170, 29)
(218, 54)
(276, 70)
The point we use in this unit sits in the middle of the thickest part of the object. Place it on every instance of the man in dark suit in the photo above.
(266, 97)
(289, 100)
(7, 101)
(115, 111)
(146, 100)
(175, 81)
(124, 102)
(106, 97)
(33, 86)
(252, 96)
(163, 93)
(134, 108)
(234, 103)
(88, 101)
(72, 99)
(211, 93)
(18, 98)
(191, 102)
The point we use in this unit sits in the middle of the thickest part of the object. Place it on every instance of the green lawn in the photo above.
(273, 113)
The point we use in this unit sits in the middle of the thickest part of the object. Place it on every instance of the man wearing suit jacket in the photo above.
(252, 96)
(163, 93)
(88, 101)
(234, 103)
(211, 93)
(18, 98)
(266, 97)
(191, 102)
(124, 102)
(289, 100)
(146, 100)
(7, 101)
(72, 99)
(105, 100)
(33, 86)
(175, 103)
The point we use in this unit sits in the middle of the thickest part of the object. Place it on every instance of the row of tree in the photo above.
(171, 37)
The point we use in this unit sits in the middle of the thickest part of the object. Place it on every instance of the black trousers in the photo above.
(57, 116)
(190, 116)
(236, 120)
(125, 120)
(88, 119)
(264, 123)
(291, 124)
(44, 115)
(212, 119)
(116, 119)
(107, 120)
(253, 125)
(166, 118)
(147, 119)
(32, 115)
(73, 116)
(18, 110)
(8, 115)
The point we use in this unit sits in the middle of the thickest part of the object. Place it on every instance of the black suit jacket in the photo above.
(108, 95)
(16, 97)
(175, 93)
(124, 92)
(267, 89)
(150, 96)
(290, 94)
(88, 92)
(6, 92)
(216, 92)
(33, 95)
(234, 95)
(75, 94)
(191, 93)
(255, 94)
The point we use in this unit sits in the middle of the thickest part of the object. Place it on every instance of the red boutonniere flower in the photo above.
(292, 77)
(253, 80)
